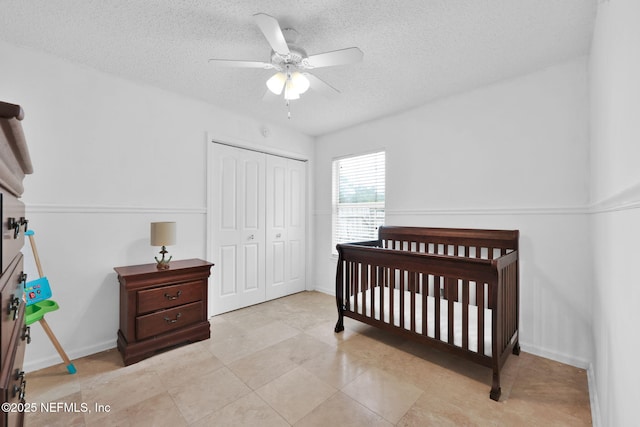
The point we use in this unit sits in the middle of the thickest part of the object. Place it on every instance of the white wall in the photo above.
(110, 156)
(615, 223)
(513, 155)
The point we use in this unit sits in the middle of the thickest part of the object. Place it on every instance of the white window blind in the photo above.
(358, 197)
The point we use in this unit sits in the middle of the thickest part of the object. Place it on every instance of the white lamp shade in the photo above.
(290, 91)
(163, 233)
(300, 82)
(276, 83)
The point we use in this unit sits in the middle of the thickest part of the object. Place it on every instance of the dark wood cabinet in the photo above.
(14, 334)
(162, 308)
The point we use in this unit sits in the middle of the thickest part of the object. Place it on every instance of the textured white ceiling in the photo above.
(414, 50)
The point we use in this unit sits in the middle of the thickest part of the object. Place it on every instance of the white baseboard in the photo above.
(45, 362)
(554, 355)
(326, 290)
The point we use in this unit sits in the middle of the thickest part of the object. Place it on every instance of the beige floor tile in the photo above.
(411, 369)
(299, 349)
(337, 368)
(237, 347)
(435, 408)
(158, 411)
(295, 394)
(249, 321)
(261, 367)
(341, 410)
(325, 332)
(383, 393)
(368, 349)
(70, 415)
(122, 391)
(53, 383)
(207, 394)
(181, 365)
(222, 329)
(248, 411)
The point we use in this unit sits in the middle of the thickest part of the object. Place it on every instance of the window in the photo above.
(358, 198)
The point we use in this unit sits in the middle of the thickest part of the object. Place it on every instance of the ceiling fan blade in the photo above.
(240, 64)
(272, 32)
(321, 86)
(336, 57)
(270, 97)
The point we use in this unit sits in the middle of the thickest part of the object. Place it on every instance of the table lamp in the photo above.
(163, 234)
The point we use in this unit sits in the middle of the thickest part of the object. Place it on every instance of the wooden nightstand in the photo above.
(162, 308)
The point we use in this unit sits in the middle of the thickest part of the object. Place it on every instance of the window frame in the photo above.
(336, 205)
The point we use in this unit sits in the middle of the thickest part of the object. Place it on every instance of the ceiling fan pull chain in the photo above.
(288, 110)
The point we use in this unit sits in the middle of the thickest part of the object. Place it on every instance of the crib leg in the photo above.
(516, 349)
(495, 388)
(340, 325)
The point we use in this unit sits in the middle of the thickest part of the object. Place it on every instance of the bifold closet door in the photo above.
(238, 228)
(285, 226)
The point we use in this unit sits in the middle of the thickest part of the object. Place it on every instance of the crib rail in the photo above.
(456, 242)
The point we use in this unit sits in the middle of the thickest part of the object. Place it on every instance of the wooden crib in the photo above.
(454, 289)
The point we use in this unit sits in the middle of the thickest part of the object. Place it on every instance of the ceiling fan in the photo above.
(292, 62)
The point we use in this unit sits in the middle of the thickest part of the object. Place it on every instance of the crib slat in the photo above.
(412, 290)
(372, 287)
(465, 306)
(480, 305)
(425, 294)
(436, 291)
(350, 270)
(364, 275)
(392, 288)
(450, 285)
(465, 314)
(401, 298)
(380, 287)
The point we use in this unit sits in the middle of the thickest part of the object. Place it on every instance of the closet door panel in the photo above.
(276, 192)
(285, 226)
(296, 228)
(238, 228)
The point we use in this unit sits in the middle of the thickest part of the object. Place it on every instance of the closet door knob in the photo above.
(251, 237)
(279, 235)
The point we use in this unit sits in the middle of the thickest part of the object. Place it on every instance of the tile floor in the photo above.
(280, 364)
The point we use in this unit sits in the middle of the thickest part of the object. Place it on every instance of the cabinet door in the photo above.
(238, 233)
(285, 226)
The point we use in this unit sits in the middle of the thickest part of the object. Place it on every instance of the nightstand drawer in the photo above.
(169, 296)
(168, 320)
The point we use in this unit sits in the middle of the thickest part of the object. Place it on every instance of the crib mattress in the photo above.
(444, 316)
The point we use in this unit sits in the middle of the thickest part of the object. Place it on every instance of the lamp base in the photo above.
(163, 264)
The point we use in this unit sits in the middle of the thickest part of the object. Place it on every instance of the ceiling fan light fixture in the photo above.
(290, 91)
(300, 82)
(277, 82)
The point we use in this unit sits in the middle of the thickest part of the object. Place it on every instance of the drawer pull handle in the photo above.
(26, 334)
(22, 278)
(166, 319)
(15, 225)
(14, 304)
(20, 391)
(172, 297)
